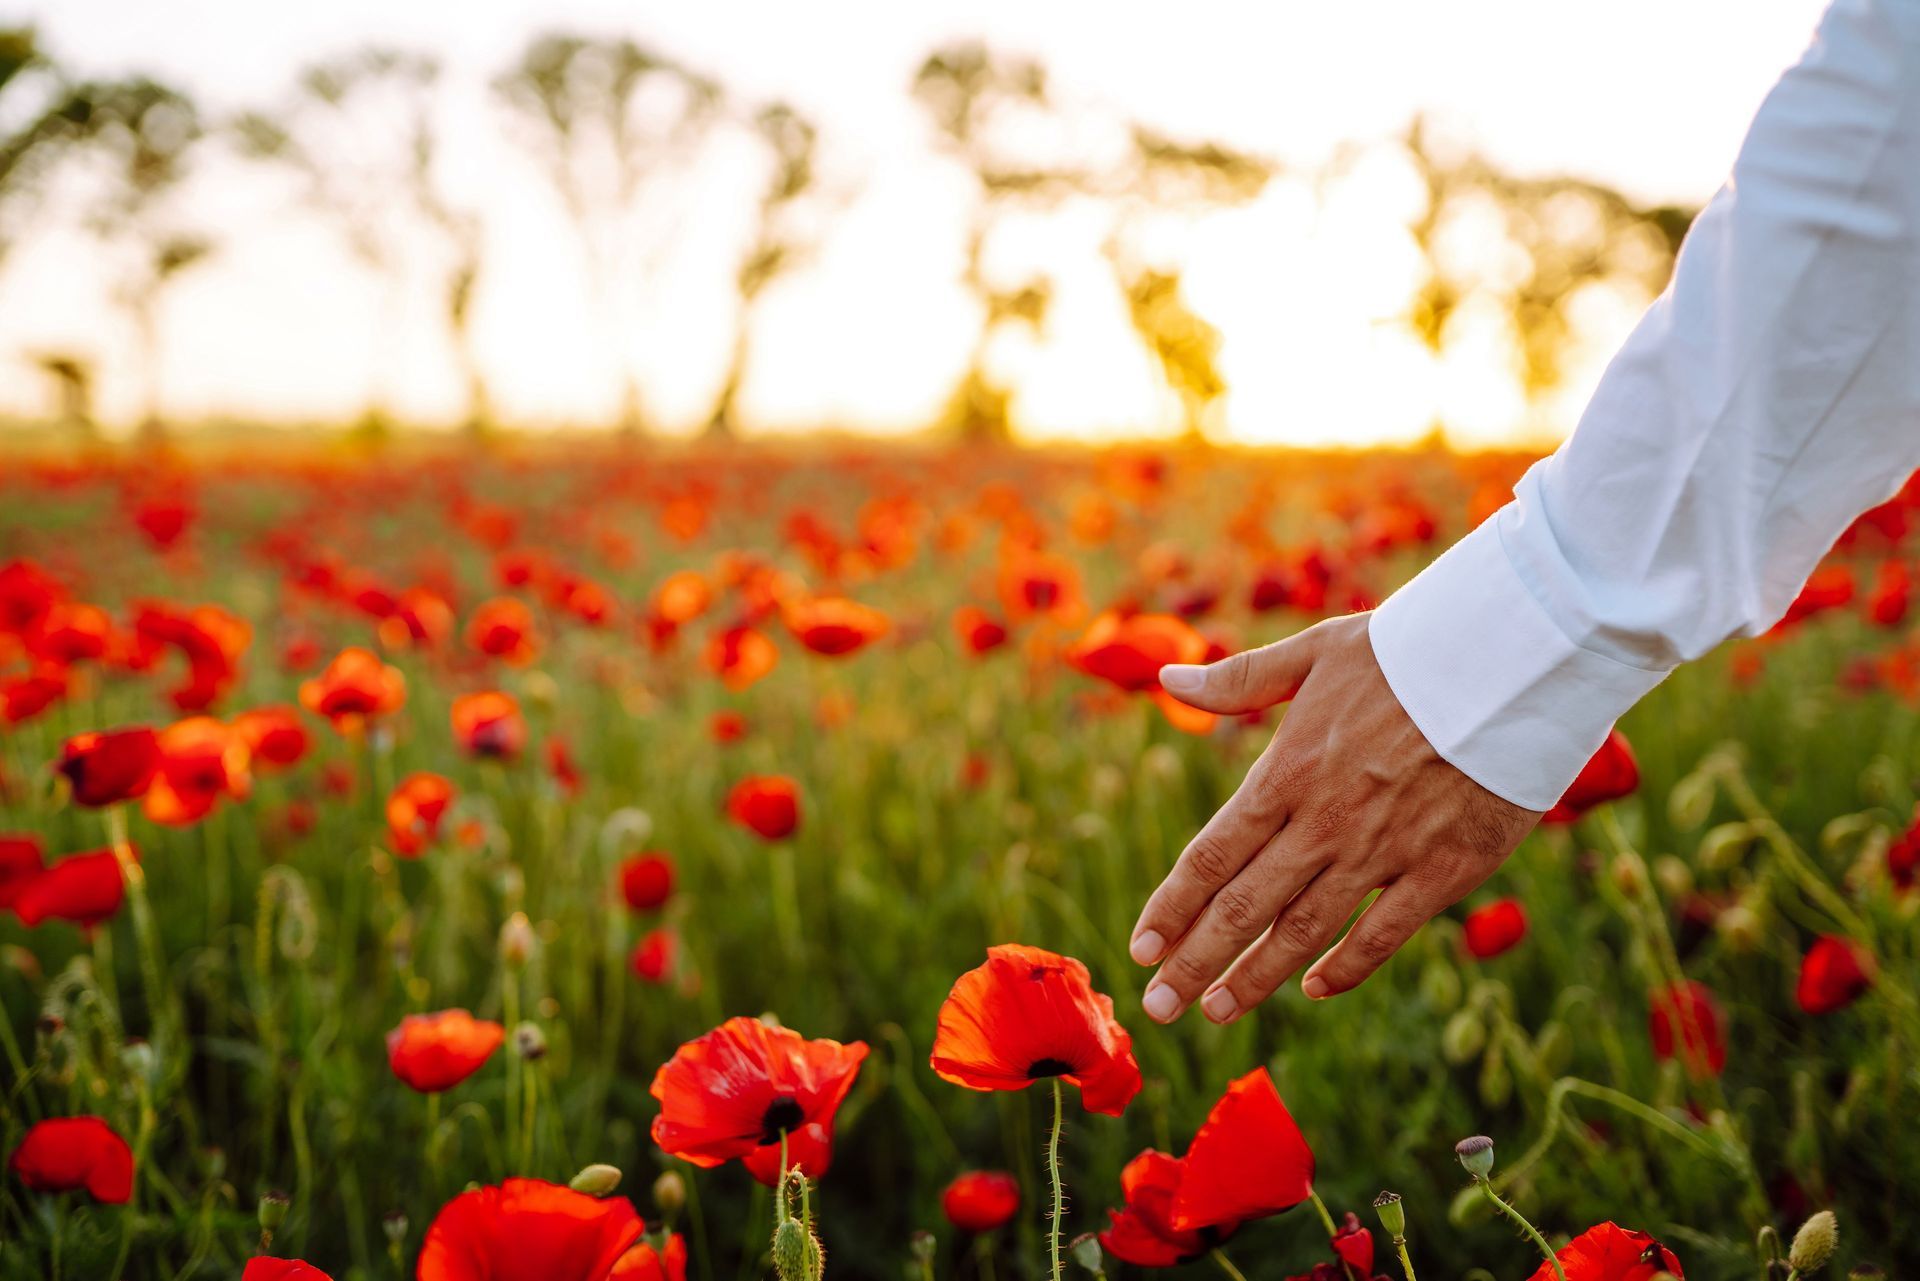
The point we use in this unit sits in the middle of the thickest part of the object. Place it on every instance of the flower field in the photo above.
(567, 862)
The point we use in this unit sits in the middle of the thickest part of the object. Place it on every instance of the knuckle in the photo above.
(1236, 674)
(1300, 929)
(1239, 911)
(1373, 947)
(1187, 969)
(1208, 861)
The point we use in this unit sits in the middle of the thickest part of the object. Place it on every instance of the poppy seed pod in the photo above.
(530, 1043)
(1814, 1243)
(1476, 1154)
(1085, 1249)
(1393, 1215)
(516, 941)
(597, 1180)
(394, 1224)
(669, 1194)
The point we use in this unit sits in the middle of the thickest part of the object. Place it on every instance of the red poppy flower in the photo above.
(644, 1263)
(1034, 584)
(27, 592)
(106, 767)
(212, 639)
(1354, 1244)
(71, 632)
(201, 760)
(527, 1230)
(435, 1052)
(1141, 1232)
(24, 697)
(1247, 1161)
(981, 1200)
(263, 1268)
(1495, 928)
(72, 1153)
(489, 724)
(835, 626)
(727, 727)
(1833, 974)
(414, 811)
(681, 597)
(84, 889)
(740, 656)
(1029, 1014)
(1129, 650)
(769, 804)
(562, 768)
(653, 956)
(1607, 1252)
(978, 631)
(646, 881)
(1903, 856)
(356, 685)
(1609, 774)
(1686, 1018)
(735, 1091)
(420, 618)
(503, 628)
(274, 735)
(22, 858)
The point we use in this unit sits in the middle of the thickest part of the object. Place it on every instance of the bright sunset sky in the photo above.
(1650, 95)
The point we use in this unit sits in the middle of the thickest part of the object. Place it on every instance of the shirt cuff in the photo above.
(1496, 686)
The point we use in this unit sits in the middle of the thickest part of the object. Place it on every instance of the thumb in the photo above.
(1245, 682)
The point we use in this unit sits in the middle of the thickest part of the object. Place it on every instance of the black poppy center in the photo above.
(1048, 1067)
(782, 1116)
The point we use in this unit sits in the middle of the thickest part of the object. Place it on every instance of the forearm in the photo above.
(1768, 397)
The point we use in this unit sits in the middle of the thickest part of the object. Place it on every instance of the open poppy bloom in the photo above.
(653, 956)
(1036, 584)
(527, 1230)
(435, 1052)
(25, 696)
(1686, 1020)
(1129, 650)
(981, 1200)
(1141, 1231)
(1495, 928)
(739, 656)
(263, 1268)
(1248, 1160)
(274, 735)
(22, 858)
(1028, 1015)
(213, 641)
(502, 628)
(354, 687)
(644, 1263)
(201, 760)
(681, 597)
(1833, 974)
(737, 1091)
(84, 889)
(646, 881)
(834, 626)
(106, 767)
(71, 632)
(979, 631)
(1609, 774)
(72, 1154)
(489, 724)
(766, 804)
(414, 811)
(1608, 1252)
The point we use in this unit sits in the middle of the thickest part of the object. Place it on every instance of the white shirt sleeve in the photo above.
(1768, 397)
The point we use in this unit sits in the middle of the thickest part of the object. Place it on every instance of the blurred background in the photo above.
(1250, 222)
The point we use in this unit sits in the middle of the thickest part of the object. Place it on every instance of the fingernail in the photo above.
(1219, 1005)
(1314, 986)
(1147, 947)
(1160, 1003)
(1182, 678)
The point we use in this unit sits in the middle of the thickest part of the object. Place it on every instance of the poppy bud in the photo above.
(794, 1251)
(1393, 1216)
(1690, 801)
(1496, 1081)
(1476, 1154)
(138, 1058)
(516, 941)
(272, 1213)
(1085, 1249)
(921, 1246)
(530, 1043)
(597, 1180)
(1440, 984)
(1674, 876)
(1629, 873)
(669, 1194)
(1723, 846)
(1464, 1036)
(1814, 1243)
(1554, 1047)
(394, 1224)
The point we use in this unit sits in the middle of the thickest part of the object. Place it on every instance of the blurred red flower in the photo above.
(1495, 928)
(1686, 1020)
(739, 656)
(644, 1263)
(414, 811)
(1026, 1015)
(1128, 651)
(1247, 1161)
(74, 1153)
(435, 1052)
(201, 760)
(275, 736)
(106, 767)
(1354, 1244)
(646, 881)
(733, 1093)
(1609, 774)
(834, 626)
(768, 804)
(1833, 974)
(727, 727)
(1141, 1232)
(653, 956)
(262, 1268)
(1607, 1252)
(84, 889)
(503, 628)
(981, 1200)
(527, 1230)
(979, 632)
(22, 858)
(356, 685)
(489, 724)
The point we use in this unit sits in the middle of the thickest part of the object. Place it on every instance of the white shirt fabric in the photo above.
(1768, 397)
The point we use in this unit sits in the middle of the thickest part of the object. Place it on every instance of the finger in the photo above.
(1237, 915)
(1251, 817)
(1306, 925)
(1382, 930)
(1245, 682)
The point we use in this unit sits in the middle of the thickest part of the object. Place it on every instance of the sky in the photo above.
(1651, 96)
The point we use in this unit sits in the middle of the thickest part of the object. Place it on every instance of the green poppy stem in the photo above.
(1226, 1265)
(1521, 1219)
(1053, 1173)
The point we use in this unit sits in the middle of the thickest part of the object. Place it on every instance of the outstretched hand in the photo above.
(1348, 798)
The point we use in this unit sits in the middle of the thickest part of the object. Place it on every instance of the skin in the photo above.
(1348, 798)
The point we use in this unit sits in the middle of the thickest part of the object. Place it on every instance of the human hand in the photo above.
(1348, 797)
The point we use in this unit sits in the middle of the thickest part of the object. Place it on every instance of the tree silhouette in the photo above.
(608, 119)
